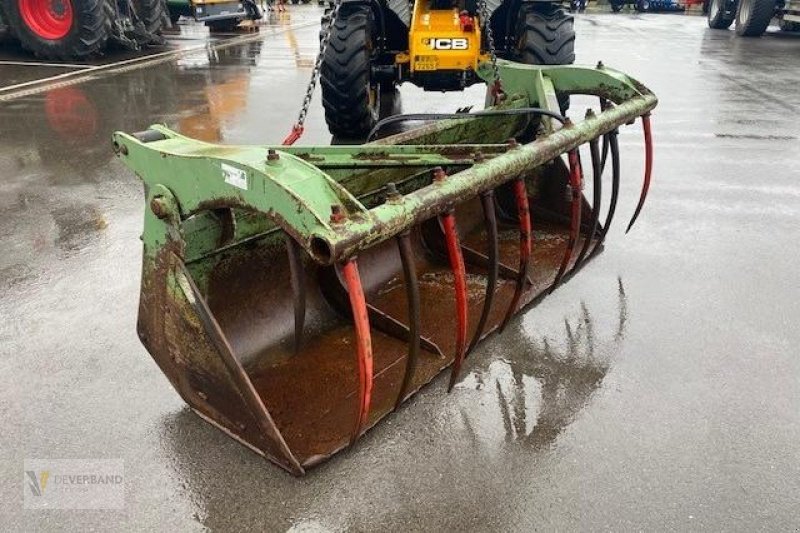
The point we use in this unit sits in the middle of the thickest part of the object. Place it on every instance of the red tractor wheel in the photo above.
(59, 29)
(48, 19)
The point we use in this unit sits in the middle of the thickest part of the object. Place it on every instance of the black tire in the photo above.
(174, 18)
(546, 36)
(753, 17)
(719, 17)
(87, 37)
(350, 98)
(223, 26)
(154, 16)
(643, 6)
(616, 7)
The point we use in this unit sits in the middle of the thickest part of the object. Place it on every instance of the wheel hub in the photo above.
(48, 19)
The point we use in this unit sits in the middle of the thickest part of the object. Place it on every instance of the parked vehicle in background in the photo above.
(752, 17)
(218, 15)
(647, 6)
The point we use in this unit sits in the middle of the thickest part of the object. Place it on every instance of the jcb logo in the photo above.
(448, 44)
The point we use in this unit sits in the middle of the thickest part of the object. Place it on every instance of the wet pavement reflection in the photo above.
(658, 389)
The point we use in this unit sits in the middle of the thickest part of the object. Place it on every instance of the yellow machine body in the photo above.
(439, 42)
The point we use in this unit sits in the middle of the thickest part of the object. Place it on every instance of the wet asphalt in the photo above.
(658, 390)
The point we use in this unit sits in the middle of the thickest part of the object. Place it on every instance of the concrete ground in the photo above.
(658, 390)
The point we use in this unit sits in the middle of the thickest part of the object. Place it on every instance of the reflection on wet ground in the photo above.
(669, 402)
(543, 390)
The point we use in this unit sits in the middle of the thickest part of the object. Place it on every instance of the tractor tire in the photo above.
(154, 16)
(65, 30)
(718, 18)
(350, 98)
(753, 17)
(643, 6)
(546, 36)
(616, 6)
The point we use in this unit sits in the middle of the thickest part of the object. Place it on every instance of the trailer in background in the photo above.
(752, 17)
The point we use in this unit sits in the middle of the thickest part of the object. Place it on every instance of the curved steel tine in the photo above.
(525, 246)
(648, 168)
(591, 229)
(358, 305)
(298, 290)
(603, 106)
(575, 180)
(412, 294)
(612, 206)
(448, 220)
(487, 202)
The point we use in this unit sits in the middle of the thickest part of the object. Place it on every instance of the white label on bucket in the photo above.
(234, 176)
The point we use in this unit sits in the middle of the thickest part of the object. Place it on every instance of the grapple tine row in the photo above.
(448, 220)
(576, 182)
(648, 169)
(358, 304)
(412, 296)
(487, 203)
(525, 246)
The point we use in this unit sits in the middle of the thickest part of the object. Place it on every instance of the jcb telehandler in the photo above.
(435, 44)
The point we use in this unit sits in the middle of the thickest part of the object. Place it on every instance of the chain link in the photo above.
(323, 46)
(483, 11)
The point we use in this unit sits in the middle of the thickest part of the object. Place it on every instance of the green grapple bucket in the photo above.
(294, 296)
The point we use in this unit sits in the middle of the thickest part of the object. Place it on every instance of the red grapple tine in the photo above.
(575, 180)
(525, 246)
(358, 305)
(648, 168)
(460, 284)
(412, 294)
(487, 202)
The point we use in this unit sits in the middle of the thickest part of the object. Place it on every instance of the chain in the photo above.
(297, 129)
(487, 29)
